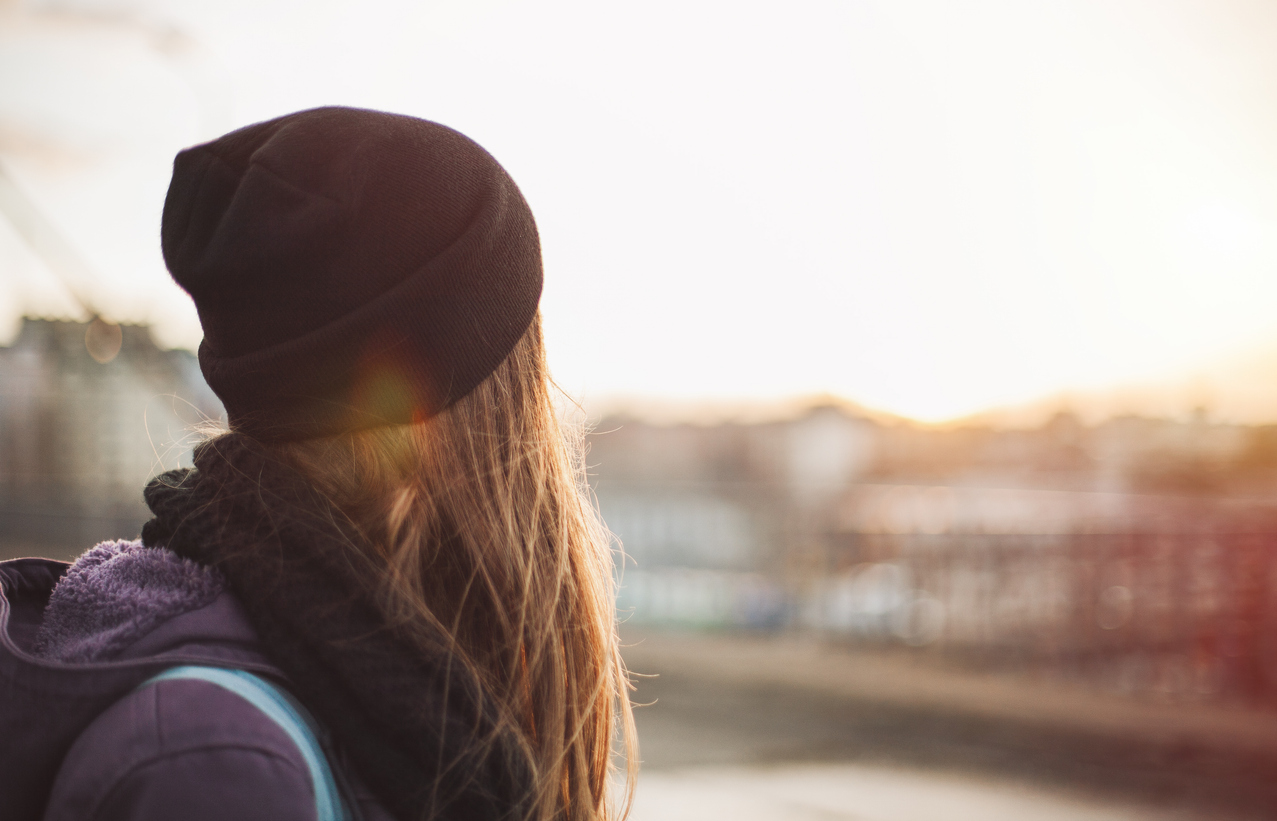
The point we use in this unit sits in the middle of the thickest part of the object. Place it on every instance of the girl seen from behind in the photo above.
(394, 529)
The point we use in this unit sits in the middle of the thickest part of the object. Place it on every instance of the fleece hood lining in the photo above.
(115, 594)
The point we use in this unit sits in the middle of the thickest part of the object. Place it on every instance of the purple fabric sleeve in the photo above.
(182, 749)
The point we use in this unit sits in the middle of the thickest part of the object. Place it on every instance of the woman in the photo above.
(394, 528)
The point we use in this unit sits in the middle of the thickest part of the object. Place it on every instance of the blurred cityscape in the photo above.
(1136, 555)
(1090, 608)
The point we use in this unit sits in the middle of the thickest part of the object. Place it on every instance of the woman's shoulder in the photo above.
(182, 748)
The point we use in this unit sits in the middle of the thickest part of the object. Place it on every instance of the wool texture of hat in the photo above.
(351, 268)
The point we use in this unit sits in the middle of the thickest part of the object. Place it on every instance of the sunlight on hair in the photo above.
(482, 518)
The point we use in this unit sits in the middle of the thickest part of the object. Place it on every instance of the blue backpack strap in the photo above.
(280, 707)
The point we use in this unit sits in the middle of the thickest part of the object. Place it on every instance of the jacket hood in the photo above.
(62, 665)
(117, 593)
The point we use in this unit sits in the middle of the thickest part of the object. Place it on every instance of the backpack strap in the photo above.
(294, 719)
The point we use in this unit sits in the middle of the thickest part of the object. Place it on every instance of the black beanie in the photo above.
(351, 268)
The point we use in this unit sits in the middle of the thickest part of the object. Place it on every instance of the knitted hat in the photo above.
(351, 268)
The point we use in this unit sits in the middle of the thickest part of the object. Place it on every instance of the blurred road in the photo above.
(856, 792)
(788, 728)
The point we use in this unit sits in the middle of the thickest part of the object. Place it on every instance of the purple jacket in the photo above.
(80, 742)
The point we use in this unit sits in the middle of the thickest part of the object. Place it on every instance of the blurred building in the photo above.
(88, 412)
(710, 516)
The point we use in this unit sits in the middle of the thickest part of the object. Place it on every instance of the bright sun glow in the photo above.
(930, 208)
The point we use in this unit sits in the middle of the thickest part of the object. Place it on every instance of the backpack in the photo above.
(294, 719)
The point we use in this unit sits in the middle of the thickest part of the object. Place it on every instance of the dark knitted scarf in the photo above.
(415, 726)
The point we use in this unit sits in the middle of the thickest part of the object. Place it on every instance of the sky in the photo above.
(929, 208)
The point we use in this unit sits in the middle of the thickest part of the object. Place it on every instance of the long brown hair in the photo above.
(486, 532)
